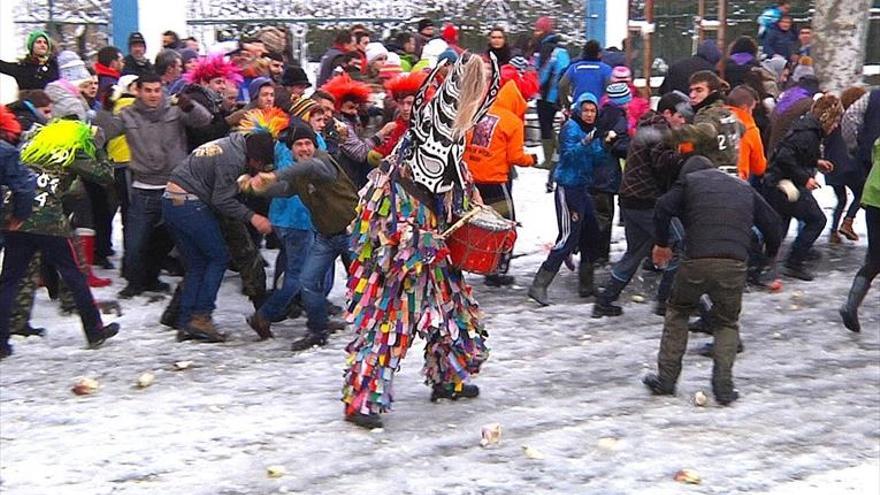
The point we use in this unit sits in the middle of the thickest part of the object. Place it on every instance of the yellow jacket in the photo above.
(117, 148)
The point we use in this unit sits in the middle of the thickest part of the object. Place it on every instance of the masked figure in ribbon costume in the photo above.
(401, 283)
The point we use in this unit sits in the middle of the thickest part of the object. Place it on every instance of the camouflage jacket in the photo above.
(715, 134)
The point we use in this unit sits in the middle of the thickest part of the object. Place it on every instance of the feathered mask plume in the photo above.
(344, 88)
(406, 84)
(271, 120)
(213, 67)
(58, 143)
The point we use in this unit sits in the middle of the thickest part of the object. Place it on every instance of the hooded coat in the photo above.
(580, 149)
(496, 142)
(679, 74)
(798, 153)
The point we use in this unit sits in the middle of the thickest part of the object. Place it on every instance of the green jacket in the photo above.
(871, 193)
(715, 134)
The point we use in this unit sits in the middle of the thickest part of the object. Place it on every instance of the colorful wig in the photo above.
(271, 120)
(213, 67)
(58, 143)
(344, 88)
(406, 84)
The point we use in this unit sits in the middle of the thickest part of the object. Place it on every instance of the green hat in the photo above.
(32, 38)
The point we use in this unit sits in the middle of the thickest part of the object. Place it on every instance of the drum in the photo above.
(478, 241)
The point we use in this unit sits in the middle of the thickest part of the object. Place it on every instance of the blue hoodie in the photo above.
(578, 155)
(550, 73)
(289, 213)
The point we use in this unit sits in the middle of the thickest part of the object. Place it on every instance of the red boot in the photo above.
(86, 242)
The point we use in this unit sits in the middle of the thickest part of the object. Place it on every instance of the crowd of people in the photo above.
(209, 157)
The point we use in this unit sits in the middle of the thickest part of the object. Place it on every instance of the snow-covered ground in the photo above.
(565, 389)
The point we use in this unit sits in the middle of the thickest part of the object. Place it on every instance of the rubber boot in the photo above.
(86, 240)
(846, 230)
(585, 278)
(604, 300)
(850, 311)
(538, 290)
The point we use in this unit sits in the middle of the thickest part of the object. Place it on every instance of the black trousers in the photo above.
(103, 208)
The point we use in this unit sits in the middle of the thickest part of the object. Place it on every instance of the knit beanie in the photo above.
(450, 34)
(32, 38)
(302, 107)
(621, 73)
(519, 63)
(136, 38)
(375, 50)
(260, 146)
(619, 93)
(545, 24)
(187, 54)
(303, 132)
(425, 23)
(448, 54)
(827, 110)
(71, 68)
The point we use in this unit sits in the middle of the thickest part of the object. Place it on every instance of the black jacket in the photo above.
(26, 114)
(136, 67)
(717, 211)
(218, 128)
(797, 154)
(30, 74)
(680, 72)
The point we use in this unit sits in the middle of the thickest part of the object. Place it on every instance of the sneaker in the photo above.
(447, 391)
(260, 325)
(653, 382)
(601, 309)
(102, 335)
(309, 341)
(369, 421)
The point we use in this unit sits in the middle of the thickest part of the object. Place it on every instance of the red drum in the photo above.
(478, 245)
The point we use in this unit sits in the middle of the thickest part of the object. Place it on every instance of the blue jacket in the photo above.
(578, 153)
(290, 212)
(780, 42)
(550, 73)
(589, 76)
(607, 173)
(19, 180)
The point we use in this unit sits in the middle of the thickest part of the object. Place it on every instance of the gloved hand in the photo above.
(184, 102)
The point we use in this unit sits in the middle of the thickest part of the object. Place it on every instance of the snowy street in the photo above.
(249, 417)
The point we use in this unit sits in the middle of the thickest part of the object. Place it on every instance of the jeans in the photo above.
(58, 252)
(604, 204)
(805, 209)
(313, 277)
(577, 224)
(197, 235)
(145, 240)
(840, 192)
(296, 245)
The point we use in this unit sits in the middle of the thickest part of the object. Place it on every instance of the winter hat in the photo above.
(424, 23)
(619, 93)
(72, 68)
(432, 51)
(255, 86)
(519, 63)
(121, 86)
(136, 38)
(302, 108)
(260, 146)
(32, 38)
(545, 24)
(392, 67)
(675, 101)
(448, 54)
(302, 132)
(450, 34)
(187, 54)
(775, 64)
(621, 73)
(802, 71)
(827, 110)
(375, 50)
(585, 97)
(295, 76)
(708, 49)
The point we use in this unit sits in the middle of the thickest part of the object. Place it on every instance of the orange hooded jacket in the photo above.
(496, 143)
(751, 150)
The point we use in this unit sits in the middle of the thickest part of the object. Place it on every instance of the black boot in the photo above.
(538, 290)
(261, 325)
(657, 385)
(447, 391)
(311, 339)
(369, 421)
(850, 311)
(98, 337)
(585, 278)
(725, 399)
(28, 331)
(795, 267)
(172, 311)
(499, 280)
(607, 295)
(708, 349)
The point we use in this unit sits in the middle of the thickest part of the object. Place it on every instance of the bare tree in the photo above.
(840, 36)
